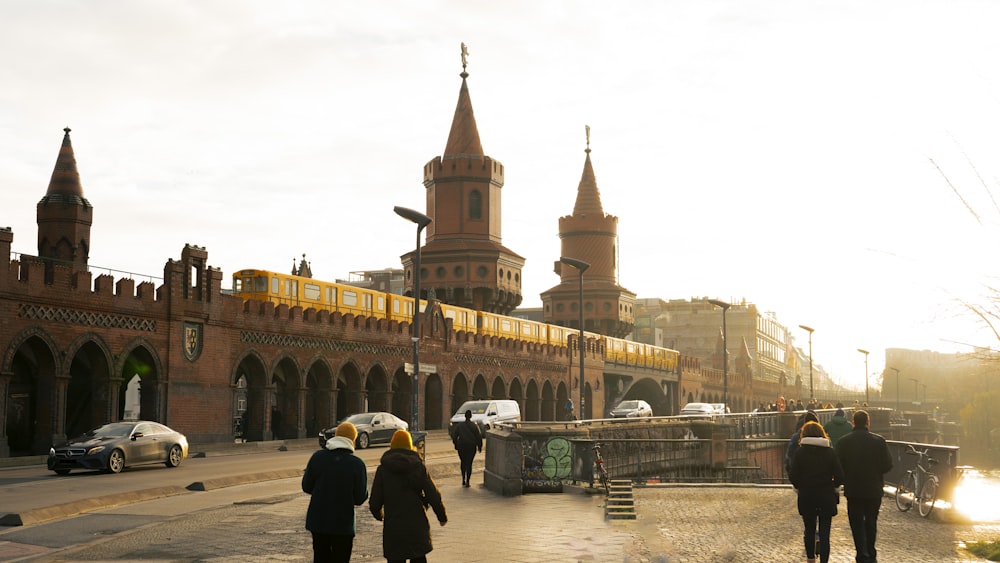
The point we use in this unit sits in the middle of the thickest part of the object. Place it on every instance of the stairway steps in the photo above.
(620, 504)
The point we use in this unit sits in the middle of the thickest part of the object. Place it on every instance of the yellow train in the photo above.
(298, 291)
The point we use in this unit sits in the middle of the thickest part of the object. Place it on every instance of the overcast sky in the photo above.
(833, 162)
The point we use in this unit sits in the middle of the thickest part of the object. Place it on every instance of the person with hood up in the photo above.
(401, 492)
(816, 474)
(837, 427)
(337, 481)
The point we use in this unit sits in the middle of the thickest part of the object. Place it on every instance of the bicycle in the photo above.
(918, 485)
(602, 472)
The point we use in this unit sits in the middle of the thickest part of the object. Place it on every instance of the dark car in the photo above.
(114, 446)
(373, 428)
(632, 409)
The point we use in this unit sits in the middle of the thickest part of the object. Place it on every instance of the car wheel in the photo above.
(362, 441)
(175, 456)
(61, 471)
(116, 462)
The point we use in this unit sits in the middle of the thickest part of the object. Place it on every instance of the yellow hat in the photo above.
(401, 440)
(347, 430)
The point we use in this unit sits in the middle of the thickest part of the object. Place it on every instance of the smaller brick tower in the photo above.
(592, 236)
(464, 262)
(64, 216)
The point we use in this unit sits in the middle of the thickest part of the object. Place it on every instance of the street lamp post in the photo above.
(725, 351)
(916, 398)
(422, 221)
(897, 387)
(865, 352)
(810, 331)
(581, 267)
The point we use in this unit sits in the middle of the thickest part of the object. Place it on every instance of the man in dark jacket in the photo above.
(338, 481)
(467, 439)
(837, 427)
(401, 491)
(865, 458)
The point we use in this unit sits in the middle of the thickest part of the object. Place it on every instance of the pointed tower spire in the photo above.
(590, 235)
(588, 197)
(65, 178)
(64, 216)
(463, 140)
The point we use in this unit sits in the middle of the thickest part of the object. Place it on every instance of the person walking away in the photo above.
(468, 439)
(337, 481)
(865, 458)
(816, 475)
(793, 442)
(837, 427)
(401, 491)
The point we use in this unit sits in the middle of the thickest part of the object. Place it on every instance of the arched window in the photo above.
(475, 205)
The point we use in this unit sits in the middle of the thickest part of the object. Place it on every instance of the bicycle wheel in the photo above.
(928, 494)
(605, 480)
(904, 492)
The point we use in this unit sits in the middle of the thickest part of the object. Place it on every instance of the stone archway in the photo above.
(650, 391)
(87, 393)
(499, 388)
(350, 394)
(459, 392)
(402, 395)
(433, 398)
(516, 393)
(479, 390)
(548, 402)
(377, 391)
(531, 401)
(285, 416)
(140, 383)
(249, 407)
(319, 400)
(29, 416)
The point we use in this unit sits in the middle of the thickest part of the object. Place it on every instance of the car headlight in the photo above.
(94, 450)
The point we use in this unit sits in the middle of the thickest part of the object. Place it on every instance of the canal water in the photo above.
(977, 495)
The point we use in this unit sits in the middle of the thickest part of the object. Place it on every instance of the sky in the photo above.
(832, 162)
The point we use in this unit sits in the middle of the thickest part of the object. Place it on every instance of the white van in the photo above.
(489, 412)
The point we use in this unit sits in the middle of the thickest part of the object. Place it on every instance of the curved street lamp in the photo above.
(865, 352)
(422, 221)
(581, 267)
(897, 387)
(810, 331)
(725, 352)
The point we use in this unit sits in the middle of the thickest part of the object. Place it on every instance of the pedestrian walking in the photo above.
(865, 458)
(337, 481)
(468, 439)
(793, 442)
(816, 474)
(401, 492)
(837, 427)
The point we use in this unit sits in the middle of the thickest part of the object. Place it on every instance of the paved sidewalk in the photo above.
(675, 524)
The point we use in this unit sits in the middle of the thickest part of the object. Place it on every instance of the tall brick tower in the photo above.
(592, 236)
(63, 215)
(464, 262)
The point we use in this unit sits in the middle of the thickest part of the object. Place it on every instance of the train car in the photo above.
(298, 291)
(462, 319)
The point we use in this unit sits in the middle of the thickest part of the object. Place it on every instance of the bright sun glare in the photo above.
(977, 496)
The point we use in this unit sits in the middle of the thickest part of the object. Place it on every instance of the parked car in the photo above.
(118, 445)
(488, 413)
(698, 409)
(632, 409)
(373, 428)
(720, 408)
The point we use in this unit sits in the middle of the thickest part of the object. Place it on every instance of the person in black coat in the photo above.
(337, 481)
(793, 442)
(816, 474)
(467, 439)
(401, 492)
(865, 458)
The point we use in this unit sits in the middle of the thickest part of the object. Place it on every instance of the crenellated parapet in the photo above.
(465, 168)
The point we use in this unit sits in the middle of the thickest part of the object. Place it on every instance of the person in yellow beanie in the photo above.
(401, 491)
(337, 481)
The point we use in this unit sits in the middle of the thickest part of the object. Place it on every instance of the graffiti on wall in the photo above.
(547, 462)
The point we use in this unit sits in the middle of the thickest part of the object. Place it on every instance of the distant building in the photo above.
(389, 280)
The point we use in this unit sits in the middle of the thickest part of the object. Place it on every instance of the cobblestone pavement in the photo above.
(674, 525)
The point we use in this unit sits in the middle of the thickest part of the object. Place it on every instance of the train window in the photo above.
(381, 303)
(274, 286)
(366, 301)
(526, 329)
(350, 298)
(311, 291)
(395, 305)
(237, 285)
(260, 284)
(505, 325)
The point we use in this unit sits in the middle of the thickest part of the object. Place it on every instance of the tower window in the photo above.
(475, 205)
